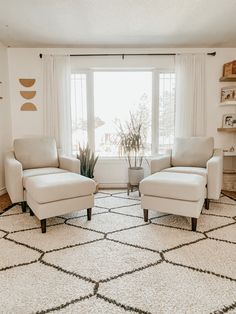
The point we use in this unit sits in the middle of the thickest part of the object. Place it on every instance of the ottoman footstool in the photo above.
(174, 193)
(58, 194)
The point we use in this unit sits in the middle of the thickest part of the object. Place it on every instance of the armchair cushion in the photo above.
(191, 170)
(28, 173)
(59, 186)
(192, 152)
(36, 152)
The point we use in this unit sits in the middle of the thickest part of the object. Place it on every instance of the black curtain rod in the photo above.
(126, 54)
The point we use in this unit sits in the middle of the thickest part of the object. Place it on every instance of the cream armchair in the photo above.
(32, 157)
(195, 155)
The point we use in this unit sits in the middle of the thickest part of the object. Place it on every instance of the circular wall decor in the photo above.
(28, 106)
(27, 82)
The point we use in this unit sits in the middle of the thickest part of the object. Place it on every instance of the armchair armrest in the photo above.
(69, 163)
(215, 174)
(13, 178)
(160, 163)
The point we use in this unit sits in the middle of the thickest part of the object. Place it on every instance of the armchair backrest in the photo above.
(192, 151)
(36, 152)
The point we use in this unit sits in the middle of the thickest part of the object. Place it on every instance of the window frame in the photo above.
(154, 110)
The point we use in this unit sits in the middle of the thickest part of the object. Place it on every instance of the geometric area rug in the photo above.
(117, 263)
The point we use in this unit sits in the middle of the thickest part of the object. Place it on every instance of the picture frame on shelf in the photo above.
(229, 120)
(228, 95)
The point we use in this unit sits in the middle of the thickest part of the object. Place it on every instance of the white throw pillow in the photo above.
(192, 151)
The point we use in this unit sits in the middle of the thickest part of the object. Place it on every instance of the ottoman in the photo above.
(58, 194)
(174, 193)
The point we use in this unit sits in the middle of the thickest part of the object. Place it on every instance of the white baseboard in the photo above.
(112, 186)
(3, 191)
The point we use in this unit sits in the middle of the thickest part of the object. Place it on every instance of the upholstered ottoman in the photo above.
(58, 194)
(174, 193)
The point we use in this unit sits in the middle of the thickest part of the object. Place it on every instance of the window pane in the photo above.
(166, 111)
(116, 94)
(79, 110)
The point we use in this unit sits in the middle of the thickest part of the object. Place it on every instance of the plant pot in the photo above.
(135, 174)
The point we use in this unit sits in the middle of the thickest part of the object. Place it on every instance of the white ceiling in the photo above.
(118, 23)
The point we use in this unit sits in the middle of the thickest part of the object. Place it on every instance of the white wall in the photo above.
(5, 118)
(26, 63)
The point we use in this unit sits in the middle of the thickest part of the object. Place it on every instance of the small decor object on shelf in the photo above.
(87, 162)
(228, 95)
(229, 68)
(229, 120)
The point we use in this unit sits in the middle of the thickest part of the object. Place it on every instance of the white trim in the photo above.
(90, 109)
(3, 191)
(155, 112)
(112, 186)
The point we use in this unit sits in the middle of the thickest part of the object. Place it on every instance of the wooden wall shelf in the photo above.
(230, 130)
(231, 78)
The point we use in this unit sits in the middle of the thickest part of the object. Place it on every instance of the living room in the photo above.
(78, 73)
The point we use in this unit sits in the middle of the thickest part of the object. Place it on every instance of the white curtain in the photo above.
(57, 100)
(190, 119)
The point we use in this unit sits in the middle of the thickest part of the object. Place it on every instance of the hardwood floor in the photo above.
(4, 202)
(231, 194)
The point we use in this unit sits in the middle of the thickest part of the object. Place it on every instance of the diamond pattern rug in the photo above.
(117, 263)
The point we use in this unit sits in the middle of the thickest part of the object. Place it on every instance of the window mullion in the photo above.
(90, 110)
(155, 112)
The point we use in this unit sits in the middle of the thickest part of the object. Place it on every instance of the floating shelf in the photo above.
(231, 78)
(229, 154)
(228, 103)
(230, 130)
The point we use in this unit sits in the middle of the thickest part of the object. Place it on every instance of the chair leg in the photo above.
(24, 206)
(89, 213)
(43, 225)
(207, 203)
(194, 224)
(145, 214)
(31, 212)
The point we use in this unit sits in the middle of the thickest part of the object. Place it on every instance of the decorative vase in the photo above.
(135, 174)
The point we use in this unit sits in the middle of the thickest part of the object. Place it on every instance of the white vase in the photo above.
(135, 174)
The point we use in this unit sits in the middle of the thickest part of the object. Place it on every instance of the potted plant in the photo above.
(87, 162)
(130, 141)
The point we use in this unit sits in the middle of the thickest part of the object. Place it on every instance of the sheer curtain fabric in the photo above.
(57, 100)
(190, 95)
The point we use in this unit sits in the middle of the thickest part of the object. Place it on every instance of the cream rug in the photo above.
(116, 263)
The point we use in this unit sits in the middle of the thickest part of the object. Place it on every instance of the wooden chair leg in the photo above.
(43, 225)
(31, 212)
(207, 203)
(89, 213)
(194, 224)
(145, 214)
(24, 206)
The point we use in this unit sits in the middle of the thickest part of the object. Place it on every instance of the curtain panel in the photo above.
(57, 100)
(190, 114)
